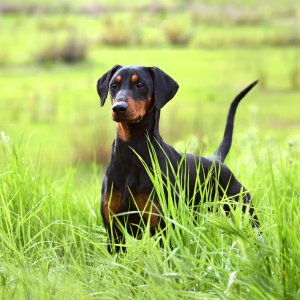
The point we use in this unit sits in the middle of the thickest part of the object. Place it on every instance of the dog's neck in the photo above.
(134, 135)
(132, 143)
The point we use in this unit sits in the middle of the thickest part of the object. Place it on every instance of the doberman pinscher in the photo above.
(137, 95)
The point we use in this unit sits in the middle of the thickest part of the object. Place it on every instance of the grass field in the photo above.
(52, 240)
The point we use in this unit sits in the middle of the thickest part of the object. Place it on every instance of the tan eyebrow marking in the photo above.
(134, 78)
(118, 78)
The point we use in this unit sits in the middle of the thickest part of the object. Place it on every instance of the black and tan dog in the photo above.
(137, 95)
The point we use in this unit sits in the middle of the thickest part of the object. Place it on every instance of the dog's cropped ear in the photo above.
(102, 83)
(165, 87)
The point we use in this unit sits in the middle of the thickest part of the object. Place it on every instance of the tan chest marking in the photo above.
(148, 208)
(123, 131)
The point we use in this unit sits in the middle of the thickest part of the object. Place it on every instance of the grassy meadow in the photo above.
(56, 142)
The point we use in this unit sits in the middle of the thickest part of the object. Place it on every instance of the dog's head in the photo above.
(134, 89)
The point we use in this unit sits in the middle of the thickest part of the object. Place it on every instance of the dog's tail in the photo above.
(221, 153)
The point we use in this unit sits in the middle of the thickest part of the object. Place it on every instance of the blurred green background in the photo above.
(52, 54)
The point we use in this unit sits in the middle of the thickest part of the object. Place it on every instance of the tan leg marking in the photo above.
(112, 206)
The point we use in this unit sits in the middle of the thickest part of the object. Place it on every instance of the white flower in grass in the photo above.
(5, 140)
(93, 213)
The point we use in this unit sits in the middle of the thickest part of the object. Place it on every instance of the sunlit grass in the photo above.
(52, 246)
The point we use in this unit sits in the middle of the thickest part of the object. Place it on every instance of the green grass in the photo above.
(52, 246)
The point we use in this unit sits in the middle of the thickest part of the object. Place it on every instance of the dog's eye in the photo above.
(139, 85)
(114, 85)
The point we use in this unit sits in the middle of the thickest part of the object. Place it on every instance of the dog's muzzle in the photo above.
(120, 108)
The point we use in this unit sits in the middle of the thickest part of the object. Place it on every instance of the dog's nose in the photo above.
(120, 108)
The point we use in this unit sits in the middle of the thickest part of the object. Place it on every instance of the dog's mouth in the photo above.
(129, 112)
(126, 119)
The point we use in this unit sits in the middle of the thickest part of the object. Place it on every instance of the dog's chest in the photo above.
(133, 192)
(132, 209)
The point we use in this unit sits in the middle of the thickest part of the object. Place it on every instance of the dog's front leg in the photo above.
(110, 207)
(116, 239)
